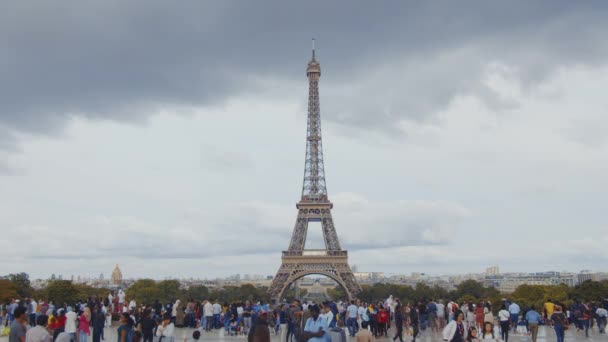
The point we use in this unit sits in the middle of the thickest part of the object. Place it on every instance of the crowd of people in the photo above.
(29, 320)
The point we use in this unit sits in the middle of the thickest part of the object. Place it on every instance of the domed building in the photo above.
(116, 279)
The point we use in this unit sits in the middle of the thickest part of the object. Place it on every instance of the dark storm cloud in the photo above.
(126, 60)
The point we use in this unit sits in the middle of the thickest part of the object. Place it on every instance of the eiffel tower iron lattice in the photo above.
(314, 206)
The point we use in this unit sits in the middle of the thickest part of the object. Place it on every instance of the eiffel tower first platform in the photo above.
(314, 206)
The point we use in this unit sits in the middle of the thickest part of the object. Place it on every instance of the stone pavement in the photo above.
(185, 334)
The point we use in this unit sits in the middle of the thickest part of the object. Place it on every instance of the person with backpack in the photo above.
(560, 323)
(125, 329)
(584, 318)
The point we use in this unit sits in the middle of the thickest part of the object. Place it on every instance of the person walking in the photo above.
(533, 318)
(398, 321)
(560, 323)
(514, 311)
(352, 312)
(601, 315)
(504, 317)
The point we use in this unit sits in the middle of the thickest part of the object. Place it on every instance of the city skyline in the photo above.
(174, 147)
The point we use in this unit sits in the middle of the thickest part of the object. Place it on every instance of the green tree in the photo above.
(337, 293)
(471, 288)
(62, 291)
(22, 282)
(199, 292)
(590, 290)
(144, 291)
(8, 291)
(169, 290)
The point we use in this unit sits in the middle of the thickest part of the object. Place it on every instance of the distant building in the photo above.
(493, 270)
(116, 279)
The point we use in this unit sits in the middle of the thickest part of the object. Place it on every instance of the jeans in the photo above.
(82, 336)
(351, 322)
(584, 323)
(332, 324)
(246, 325)
(601, 324)
(216, 321)
(514, 318)
(559, 332)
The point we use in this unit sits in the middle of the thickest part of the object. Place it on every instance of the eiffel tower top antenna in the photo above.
(314, 188)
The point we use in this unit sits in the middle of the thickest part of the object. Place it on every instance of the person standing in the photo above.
(247, 311)
(533, 318)
(39, 333)
(32, 308)
(208, 312)
(125, 328)
(454, 331)
(415, 322)
(440, 315)
(18, 326)
(98, 321)
(217, 311)
(315, 329)
(351, 321)
(147, 326)
(70, 323)
(84, 322)
(364, 335)
(283, 314)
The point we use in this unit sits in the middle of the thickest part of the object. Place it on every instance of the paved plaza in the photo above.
(185, 334)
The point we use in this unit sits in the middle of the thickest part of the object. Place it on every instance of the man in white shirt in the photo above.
(602, 314)
(121, 300)
(132, 306)
(70, 323)
(440, 314)
(33, 307)
(39, 333)
(351, 320)
(208, 312)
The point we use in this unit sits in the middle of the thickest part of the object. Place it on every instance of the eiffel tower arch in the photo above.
(314, 206)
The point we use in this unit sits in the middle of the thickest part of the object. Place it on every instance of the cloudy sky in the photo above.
(169, 138)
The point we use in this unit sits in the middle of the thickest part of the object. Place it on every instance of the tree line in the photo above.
(474, 291)
(146, 291)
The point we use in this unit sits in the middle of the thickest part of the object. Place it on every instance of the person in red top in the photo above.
(383, 316)
(479, 316)
(84, 321)
(58, 324)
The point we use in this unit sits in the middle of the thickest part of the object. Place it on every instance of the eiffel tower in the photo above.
(314, 206)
